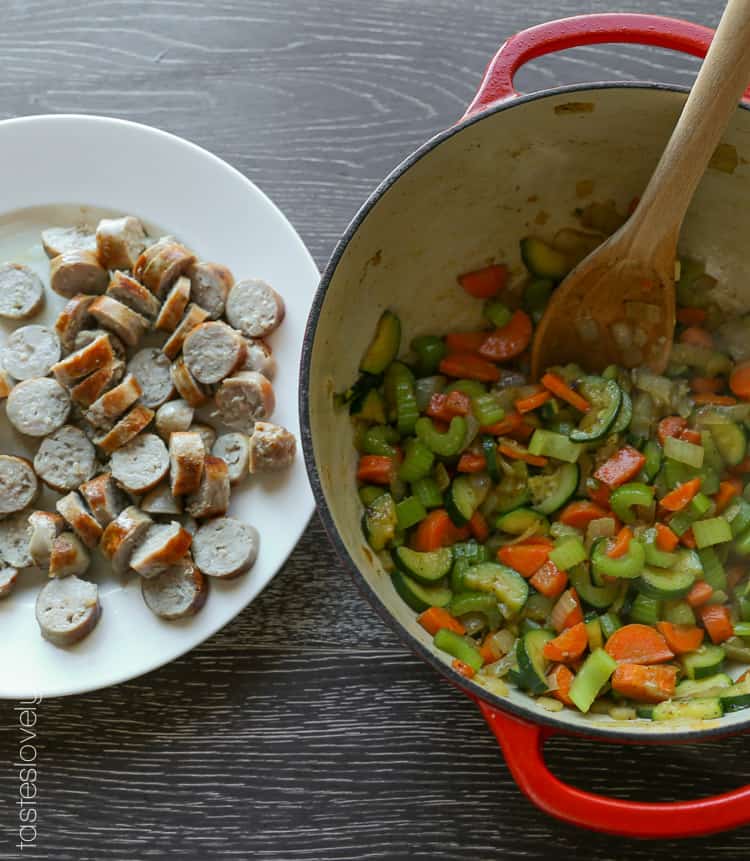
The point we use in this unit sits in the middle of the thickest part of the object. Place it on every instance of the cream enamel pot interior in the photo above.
(461, 201)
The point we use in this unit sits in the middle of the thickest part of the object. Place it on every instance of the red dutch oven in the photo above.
(514, 164)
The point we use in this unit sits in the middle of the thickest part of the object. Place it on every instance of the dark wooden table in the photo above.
(305, 730)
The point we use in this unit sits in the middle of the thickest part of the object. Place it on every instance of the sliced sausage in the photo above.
(87, 336)
(259, 358)
(187, 456)
(176, 593)
(213, 351)
(126, 429)
(104, 498)
(152, 370)
(174, 306)
(272, 447)
(75, 272)
(174, 416)
(232, 448)
(68, 556)
(162, 264)
(80, 519)
(210, 284)
(187, 386)
(112, 404)
(67, 610)
(212, 497)
(163, 545)
(8, 578)
(65, 459)
(89, 358)
(15, 533)
(207, 434)
(194, 316)
(18, 484)
(190, 523)
(95, 385)
(118, 318)
(120, 241)
(38, 407)
(122, 536)
(140, 464)
(59, 240)
(72, 319)
(132, 293)
(225, 547)
(21, 291)
(31, 351)
(244, 399)
(44, 527)
(160, 501)
(6, 384)
(254, 308)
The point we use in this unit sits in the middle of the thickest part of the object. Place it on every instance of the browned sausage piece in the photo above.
(120, 241)
(254, 308)
(72, 319)
(194, 316)
(18, 484)
(232, 448)
(212, 497)
(161, 265)
(187, 455)
(44, 527)
(112, 404)
(139, 465)
(15, 533)
(259, 358)
(132, 293)
(58, 240)
(213, 351)
(128, 427)
(163, 545)
(174, 416)
(67, 610)
(104, 498)
(77, 272)
(8, 577)
(210, 284)
(160, 501)
(68, 557)
(123, 535)
(118, 318)
(178, 592)
(6, 383)
(79, 518)
(244, 399)
(37, 407)
(272, 447)
(65, 459)
(86, 336)
(95, 385)
(152, 370)
(225, 547)
(188, 387)
(85, 361)
(174, 306)
(21, 291)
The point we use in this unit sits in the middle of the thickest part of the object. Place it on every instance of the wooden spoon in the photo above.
(591, 319)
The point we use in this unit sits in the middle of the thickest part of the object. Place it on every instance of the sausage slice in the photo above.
(80, 519)
(232, 448)
(44, 527)
(120, 241)
(104, 498)
(272, 447)
(67, 610)
(95, 385)
(132, 293)
(77, 271)
(160, 501)
(6, 384)
(89, 358)
(126, 429)
(161, 265)
(118, 318)
(174, 416)
(178, 592)
(38, 407)
(244, 399)
(174, 306)
(112, 404)
(15, 533)
(207, 434)
(163, 545)
(8, 577)
(187, 386)
(212, 497)
(259, 358)
(210, 284)
(187, 456)
(213, 351)
(58, 240)
(18, 484)
(254, 308)
(68, 556)
(31, 351)
(122, 535)
(21, 291)
(152, 370)
(87, 336)
(225, 547)
(194, 316)
(65, 459)
(140, 464)
(72, 319)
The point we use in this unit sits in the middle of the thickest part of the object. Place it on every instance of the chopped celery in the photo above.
(460, 648)
(568, 553)
(630, 496)
(418, 460)
(591, 678)
(487, 409)
(430, 351)
(715, 530)
(555, 445)
(683, 451)
(497, 313)
(445, 444)
(645, 610)
(409, 512)
(427, 492)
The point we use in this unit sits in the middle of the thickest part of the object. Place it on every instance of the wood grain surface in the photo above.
(305, 730)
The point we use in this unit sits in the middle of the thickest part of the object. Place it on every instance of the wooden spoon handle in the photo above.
(723, 77)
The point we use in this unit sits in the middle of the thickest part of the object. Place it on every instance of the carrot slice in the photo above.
(678, 498)
(436, 531)
(464, 342)
(717, 622)
(508, 425)
(716, 400)
(524, 558)
(707, 385)
(739, 380)
(559, 679)
(375, 469)
(569, 645)
(435, 618)
(638, 644)
(486, 282)
(670, 426)
(580, 514)
(687, 539)
(666, 540)
(742, 468)
(533, 402)
(691, 316)
(478, 526)
(621, 467)
(692, 436)
(446, 407)
(549, 580)
(567, 611)
(562, 390)
(697, 337)
(509, 341)
(621, 543)
(470, 367)
(681, 639)
(645, 684)
(599, 494)
(726, 493)
(464, 669)
(518, 453)
(471, 462)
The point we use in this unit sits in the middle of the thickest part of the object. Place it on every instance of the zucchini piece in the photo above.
(655, 557)
(477, 602)
(605, 397)
(507, 585)
(645, 712)
(418, 596)
(370, 409)
(425, 567)
(730, 440)
(707, 708)
(379, 521)
(513, 490)
(738, 515)
(555, 445)
(384, 346)
(535, 297)
(357, 393)
(595, 596)
(542, 260)
(459, 647)
(624, 414)
(532, 665)
(489, 449)
(460, 500)
(736, 698)
(665, 585)
(711, 686)
(706, 661)
(551, 490)
(516, 522)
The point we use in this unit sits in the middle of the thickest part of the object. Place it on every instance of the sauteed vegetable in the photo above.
(584, 537)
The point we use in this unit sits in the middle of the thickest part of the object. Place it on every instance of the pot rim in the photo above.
(472, 689)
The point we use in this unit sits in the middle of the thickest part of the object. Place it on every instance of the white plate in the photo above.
(59, 170)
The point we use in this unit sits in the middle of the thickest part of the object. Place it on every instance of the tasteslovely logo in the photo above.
(27, 765)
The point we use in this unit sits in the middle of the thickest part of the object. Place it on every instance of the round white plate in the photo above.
(63, 170)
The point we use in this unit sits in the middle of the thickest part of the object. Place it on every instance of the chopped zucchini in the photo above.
(510, 589)
(542, 260)
(707, 708)
(379, 521)
(605, 397)
(551, 489)
(519, 520)
(384, 346)
(665, 585)
(706, 661)
(711, 686)
(418, 596)
(532, 665)
(425, 567)
(736, 698)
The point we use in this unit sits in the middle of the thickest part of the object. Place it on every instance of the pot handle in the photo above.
(497, 84)
(522, 745)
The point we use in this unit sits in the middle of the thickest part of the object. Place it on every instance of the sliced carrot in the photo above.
(579, 514)
(744, 677)
(464, 669)
(717, 622)
(464, 342)
(533, 402)
(562, 390)
(486, 282)
(471, 462)
(621, 467)
(436, 531)
(489, 652)
(726, 493)
(446, 407)
(691, 316)
(524, 558)
(621, 544)
(666, 540)
(376, 469)
(697, 337)
(567, 611)
(739, 380)
(559, 679)
(549, 580)
(435, 618)
(692, 436)
(510, 340)
(681, 639)
(678, 498)
(470, 367)
(687, 539)
(645, 684)
(707, 385)
(638, 644)
(716, 400)
(742, 468)
(537, 539)
(518, 453)
(508, 425)
(599, 494)
(478, 526)
(670, 426)
(569, 645)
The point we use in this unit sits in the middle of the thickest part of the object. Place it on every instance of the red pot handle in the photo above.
(497, 84)
(522, 745)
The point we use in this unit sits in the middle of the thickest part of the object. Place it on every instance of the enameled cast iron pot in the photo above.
(459, 202)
